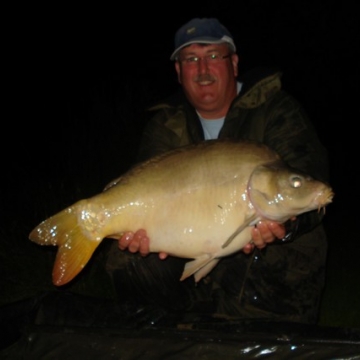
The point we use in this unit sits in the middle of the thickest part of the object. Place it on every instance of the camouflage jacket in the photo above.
(262, 111)
(284, 280)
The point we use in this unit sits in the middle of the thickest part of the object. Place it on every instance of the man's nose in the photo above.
(203, 65)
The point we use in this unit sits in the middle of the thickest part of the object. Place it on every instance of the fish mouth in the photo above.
(323, 199)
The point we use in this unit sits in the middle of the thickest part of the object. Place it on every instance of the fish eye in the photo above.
(296, 181)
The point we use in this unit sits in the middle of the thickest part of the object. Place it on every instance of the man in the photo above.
(283, 280)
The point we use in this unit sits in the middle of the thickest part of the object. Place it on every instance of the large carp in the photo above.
(198, 202)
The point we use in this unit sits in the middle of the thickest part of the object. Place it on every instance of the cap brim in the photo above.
(203, 41)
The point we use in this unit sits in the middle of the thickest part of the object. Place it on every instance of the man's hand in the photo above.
(265, 232)
(137, 242)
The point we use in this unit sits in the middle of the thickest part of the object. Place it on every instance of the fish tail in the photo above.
(75, 247)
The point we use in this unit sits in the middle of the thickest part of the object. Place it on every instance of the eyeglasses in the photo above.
(210, 59)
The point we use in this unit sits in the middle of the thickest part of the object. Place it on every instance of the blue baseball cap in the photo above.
(202, 31)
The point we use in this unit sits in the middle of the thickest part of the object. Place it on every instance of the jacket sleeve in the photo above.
(290, 132)
(157, 137)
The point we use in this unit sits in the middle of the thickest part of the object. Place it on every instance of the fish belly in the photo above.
(189, 224)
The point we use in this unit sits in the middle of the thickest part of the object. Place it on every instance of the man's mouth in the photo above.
(204, 79)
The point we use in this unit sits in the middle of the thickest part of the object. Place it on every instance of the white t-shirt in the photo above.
(212, 127)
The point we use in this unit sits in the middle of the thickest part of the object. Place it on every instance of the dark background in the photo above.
(79, 78)
(91, 71)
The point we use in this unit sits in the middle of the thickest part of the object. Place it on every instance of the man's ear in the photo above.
(178, 71)
(235, 63)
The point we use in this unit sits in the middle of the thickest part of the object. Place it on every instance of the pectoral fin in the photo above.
(250, 221)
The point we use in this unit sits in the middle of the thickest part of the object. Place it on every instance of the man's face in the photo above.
(208, 79)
